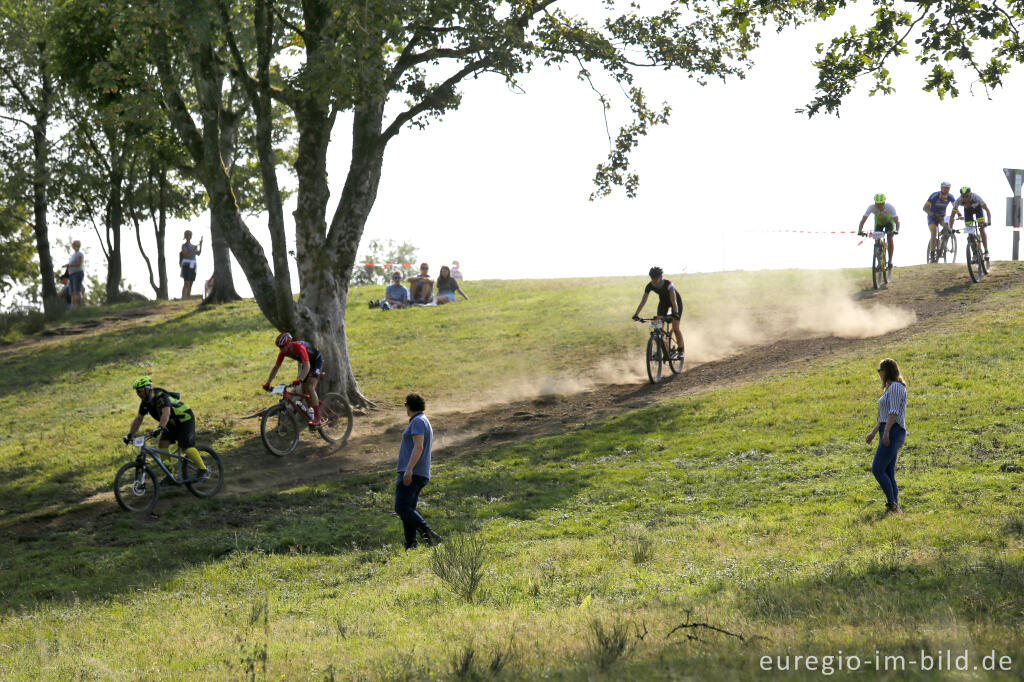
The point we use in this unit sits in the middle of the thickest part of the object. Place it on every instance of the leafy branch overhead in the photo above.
(980, 38)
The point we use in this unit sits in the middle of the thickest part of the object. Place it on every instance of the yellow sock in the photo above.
(195, 458)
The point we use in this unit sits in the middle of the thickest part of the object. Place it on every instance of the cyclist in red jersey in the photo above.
(311, 368)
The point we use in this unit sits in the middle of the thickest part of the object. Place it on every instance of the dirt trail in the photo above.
(930, 293)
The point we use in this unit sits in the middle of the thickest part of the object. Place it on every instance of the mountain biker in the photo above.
(885, 220)
(935, 209)
(668, 299)
(973, 206)
(311, 368)
(177, 422)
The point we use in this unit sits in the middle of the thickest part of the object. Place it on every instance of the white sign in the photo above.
(1014, 176)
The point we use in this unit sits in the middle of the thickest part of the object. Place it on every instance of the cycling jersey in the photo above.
(303, 351)
(180, 412)
(972, 201)
(938, 204)
(665, 293)
(883, 216)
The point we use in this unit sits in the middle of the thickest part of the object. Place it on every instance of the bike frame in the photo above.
(155, 454)
(291, 397)
(662, 334)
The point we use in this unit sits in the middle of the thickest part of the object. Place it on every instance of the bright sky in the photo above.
(503, 183)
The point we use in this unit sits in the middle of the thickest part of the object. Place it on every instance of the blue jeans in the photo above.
(884, 466)
(406, 497)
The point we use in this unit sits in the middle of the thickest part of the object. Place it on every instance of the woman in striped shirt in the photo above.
(891, 422)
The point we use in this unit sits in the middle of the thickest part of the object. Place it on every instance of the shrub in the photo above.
(459, 563)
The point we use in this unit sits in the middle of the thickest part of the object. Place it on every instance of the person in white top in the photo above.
(886, 220)
(891, 423)
(187, 260)
(456, 272)
(76, 274)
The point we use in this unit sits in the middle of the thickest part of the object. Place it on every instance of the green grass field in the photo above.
(749, 507)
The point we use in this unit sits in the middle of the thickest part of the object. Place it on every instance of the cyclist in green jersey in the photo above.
(177, 423)
(886, 220)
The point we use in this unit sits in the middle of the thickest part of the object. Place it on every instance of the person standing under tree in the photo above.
(187, 259)
(414, 471)
(76, 274)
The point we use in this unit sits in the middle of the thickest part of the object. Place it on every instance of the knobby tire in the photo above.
(338, 413)
(132, 498)
(214, 481)
(654, 359)
(279, 429)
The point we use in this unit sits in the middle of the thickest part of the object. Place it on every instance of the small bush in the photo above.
(608, 645)
(459, 563)
(637, 544)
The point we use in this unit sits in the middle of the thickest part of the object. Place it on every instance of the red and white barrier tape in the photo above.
(385, 265)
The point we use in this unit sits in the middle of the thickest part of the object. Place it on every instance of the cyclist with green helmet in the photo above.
(973, 207)
(886, 220)
(177, 423)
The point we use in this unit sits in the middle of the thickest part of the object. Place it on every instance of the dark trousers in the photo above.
(406, 497)
(884, 466)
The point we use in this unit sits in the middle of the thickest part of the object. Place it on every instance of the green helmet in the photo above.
(879, 198)
(965, 190)
(142, 382)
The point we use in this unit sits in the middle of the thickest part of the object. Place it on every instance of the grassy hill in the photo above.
(735, 501)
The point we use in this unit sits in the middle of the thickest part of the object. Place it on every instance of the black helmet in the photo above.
(654, 272)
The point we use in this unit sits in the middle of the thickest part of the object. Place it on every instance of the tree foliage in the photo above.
(955, 40)
(384, 251)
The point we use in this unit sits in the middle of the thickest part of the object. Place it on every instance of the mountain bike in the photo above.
(945, 245)
(977, 261)
(661, 348)
(280, 423)
(137, 488)
(881, 268)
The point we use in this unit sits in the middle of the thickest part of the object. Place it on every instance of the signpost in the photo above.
(1014, 204)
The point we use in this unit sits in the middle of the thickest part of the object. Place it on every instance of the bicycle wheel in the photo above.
(136, 487)
(654, 360)
(974, 266)
(279, 430)
(877, 261)
(338, 414)
(985, 262)
(675, 355)
(197, 484)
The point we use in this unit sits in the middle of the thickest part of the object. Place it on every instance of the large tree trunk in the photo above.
(223, 282)
(40, 200)
(115, 221)
(161, 236)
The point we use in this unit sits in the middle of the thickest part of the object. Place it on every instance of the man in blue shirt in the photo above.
(414, 471)
(396, 295)
(935, 209)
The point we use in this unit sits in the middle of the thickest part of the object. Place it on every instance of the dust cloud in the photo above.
(811, 305)
(725, 314)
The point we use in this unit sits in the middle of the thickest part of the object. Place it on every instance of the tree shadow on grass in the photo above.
(892, 589)
(113, 552)
(48, 365)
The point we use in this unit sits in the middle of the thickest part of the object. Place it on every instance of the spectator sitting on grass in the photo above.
(421, 287)
(395, 295)
(447, 285)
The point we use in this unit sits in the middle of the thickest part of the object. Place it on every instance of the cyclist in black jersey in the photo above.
(177, 422)
(668, 299)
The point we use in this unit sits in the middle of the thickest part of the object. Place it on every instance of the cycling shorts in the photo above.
(890, 228)
(184, 434)
(665, 309)
(937, 220)
(316, 367)
(974, 213)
